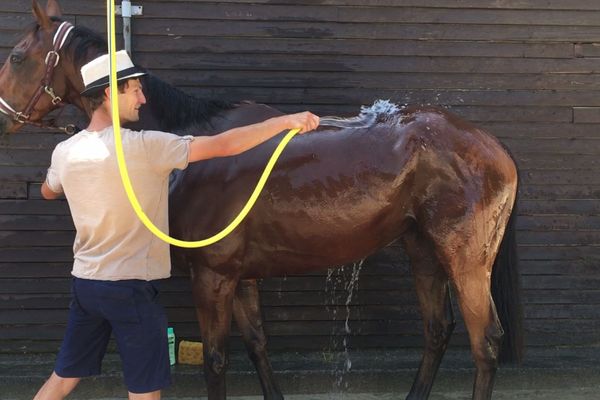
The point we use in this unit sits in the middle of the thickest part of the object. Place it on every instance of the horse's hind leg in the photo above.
(246, 311)
(468, 251)
(485, 332)
(431, 283)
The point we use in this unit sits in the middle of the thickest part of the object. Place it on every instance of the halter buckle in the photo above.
(55, 99)
(21, 118)
(69, 129)
(52, 52)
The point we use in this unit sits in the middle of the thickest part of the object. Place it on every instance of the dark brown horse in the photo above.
(440, 184)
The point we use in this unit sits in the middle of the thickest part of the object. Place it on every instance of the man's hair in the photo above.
(95, 100)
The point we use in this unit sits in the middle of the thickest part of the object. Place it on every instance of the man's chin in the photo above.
(130, 119)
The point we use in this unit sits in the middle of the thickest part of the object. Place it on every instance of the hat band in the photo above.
(126, 73)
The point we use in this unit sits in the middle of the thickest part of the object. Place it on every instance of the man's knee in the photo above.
(56, 387)
(145, 396)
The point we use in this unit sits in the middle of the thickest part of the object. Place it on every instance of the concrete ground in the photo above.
(561, 373)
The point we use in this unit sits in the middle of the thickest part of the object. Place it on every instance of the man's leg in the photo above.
(139, 325)
(57, 388)
(145, 396)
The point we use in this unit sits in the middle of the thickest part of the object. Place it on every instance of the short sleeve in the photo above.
(166, 151)
(53, 176)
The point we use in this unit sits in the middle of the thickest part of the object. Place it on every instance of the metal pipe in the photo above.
(126, 13)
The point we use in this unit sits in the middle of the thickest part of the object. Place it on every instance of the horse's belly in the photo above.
(277, 251)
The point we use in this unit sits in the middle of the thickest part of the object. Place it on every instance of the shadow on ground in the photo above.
(560, 373)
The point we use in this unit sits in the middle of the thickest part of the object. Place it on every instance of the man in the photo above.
(117, 261)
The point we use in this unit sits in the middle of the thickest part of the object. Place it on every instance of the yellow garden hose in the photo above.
(110, 16)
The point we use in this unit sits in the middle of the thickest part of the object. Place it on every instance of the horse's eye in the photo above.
(16, 58)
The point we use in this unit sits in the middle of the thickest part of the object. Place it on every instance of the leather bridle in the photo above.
(51, 61)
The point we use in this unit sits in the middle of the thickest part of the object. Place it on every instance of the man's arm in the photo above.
(238, 140)
(48, 194)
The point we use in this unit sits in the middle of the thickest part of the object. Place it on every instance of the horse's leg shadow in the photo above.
(431, 283)
(213, 297)
(247, 314)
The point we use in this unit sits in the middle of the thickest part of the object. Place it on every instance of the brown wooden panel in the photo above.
(447, 98)
(562, 207)
(35, 270)
(36, 254)
(560, 238)
(513, 4)
(33, 141)
(357, 47)
(585, 267)
(25, 157)
(13, 190)
(543, 130)
(36, 222)
(385, 80)
(24, 173)
(565, 146)
(381, 15)
(549, 297)
(556, 252)
(586, 115)
(33, 207)
(557, 222)
(547, 191)
(342, 63)
(36, 238)
(526, 69)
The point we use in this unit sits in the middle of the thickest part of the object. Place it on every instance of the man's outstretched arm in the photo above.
(238, 140)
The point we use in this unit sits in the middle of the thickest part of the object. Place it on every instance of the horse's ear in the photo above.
(53, 9)
(40, 15)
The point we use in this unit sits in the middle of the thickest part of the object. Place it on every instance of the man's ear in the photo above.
(40, 15)
(107, 93)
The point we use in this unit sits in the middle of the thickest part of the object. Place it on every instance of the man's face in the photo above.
(130, 101)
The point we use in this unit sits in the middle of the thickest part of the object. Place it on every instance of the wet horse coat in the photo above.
(441, 185)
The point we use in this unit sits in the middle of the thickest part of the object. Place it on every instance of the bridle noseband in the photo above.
(51, 61)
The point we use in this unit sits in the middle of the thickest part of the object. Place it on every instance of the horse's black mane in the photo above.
(173, 109)
(177, 110)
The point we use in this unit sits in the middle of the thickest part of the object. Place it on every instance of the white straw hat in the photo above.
(96, 72)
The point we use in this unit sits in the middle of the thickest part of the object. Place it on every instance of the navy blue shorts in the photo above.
(130, 310)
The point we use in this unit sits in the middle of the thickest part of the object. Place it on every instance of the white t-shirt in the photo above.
(111, 242)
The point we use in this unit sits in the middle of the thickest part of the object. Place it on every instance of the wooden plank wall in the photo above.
(524, 69)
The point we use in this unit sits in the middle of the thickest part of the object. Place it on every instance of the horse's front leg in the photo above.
(246, 311)
(213, 298)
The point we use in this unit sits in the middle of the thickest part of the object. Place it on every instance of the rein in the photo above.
(51, 61)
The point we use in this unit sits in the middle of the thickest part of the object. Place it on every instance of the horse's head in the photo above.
(36, 78)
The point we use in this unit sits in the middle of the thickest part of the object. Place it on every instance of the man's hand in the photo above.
(305, 121)
(48, 194)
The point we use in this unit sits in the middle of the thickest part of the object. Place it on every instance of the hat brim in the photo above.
(98, 85)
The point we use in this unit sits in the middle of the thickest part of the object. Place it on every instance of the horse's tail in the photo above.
(506, 292)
